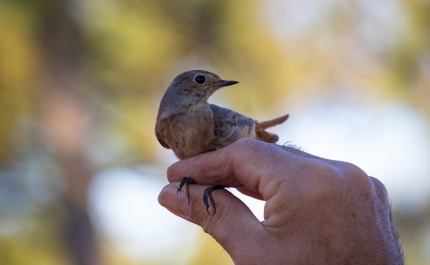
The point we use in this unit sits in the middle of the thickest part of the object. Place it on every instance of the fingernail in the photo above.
(176, 203)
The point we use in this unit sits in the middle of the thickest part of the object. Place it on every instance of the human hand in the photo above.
(317, 210)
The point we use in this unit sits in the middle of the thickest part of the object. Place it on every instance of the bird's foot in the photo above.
(185, 181)
(208, 199)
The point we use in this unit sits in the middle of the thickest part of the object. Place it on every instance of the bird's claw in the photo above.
(185, 181)
(208, 200)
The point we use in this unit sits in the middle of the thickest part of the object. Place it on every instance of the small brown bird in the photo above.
(189, 125)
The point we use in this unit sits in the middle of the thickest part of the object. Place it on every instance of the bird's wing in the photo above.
(230, 126)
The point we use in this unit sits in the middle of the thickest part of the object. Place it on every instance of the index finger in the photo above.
(247, 162)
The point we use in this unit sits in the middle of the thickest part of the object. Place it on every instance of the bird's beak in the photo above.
(224, 83)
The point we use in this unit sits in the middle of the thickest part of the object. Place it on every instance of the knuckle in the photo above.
(324, 181)
(381, 190)
(354, 175)
(359, 181)
(352, 170)
(327, 176)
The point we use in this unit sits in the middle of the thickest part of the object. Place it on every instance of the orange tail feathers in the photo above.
(265, 136)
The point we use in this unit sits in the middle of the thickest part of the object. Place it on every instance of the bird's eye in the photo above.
(200, 79)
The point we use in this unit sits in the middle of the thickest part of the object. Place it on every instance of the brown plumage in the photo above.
(189, 125)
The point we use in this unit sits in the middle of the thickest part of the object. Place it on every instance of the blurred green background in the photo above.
(80, 84)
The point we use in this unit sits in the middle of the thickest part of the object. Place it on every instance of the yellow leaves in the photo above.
(134, 44)
(18, 68)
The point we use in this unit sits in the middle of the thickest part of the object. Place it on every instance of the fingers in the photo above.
(243, 162)
(209, 168)
(229, 226)
(261, 170)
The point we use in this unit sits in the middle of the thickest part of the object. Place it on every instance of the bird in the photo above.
(189, 125)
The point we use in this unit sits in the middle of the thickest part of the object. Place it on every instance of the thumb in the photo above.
(230, 226)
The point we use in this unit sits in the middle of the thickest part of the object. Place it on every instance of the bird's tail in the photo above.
(265, 136)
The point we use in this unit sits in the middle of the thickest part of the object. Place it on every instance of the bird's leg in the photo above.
(207, 198)
(186, 181)
(207, 193)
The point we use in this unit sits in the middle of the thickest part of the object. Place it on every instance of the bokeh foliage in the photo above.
(104, 65)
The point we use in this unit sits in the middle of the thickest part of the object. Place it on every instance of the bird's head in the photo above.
(190, 88)
(198, 85)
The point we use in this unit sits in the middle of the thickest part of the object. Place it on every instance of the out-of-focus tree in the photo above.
(80, 84)
(410, 64)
